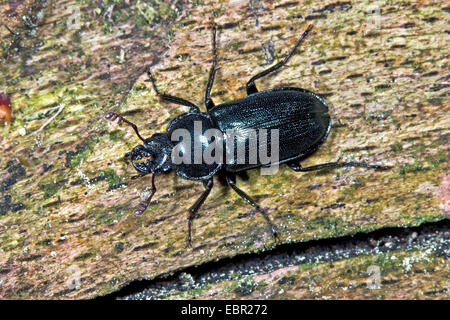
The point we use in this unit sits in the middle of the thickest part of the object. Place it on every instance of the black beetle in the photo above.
(300, 116)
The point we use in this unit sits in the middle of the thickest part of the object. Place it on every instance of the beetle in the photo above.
(300, 116)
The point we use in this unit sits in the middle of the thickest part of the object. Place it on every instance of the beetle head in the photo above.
(154, 156)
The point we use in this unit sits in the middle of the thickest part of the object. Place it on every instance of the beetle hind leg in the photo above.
(194, 209)
(232, 183)
(296, 166)
(251, 86)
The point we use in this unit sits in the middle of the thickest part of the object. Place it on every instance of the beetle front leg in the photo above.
(193, 210)
(332, 165)
(247, 198)
(251, 86)
(208, 101)
(170, 98)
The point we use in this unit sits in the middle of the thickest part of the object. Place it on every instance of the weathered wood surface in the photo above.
(66, 196)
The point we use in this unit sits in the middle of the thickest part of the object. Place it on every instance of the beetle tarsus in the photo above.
(246, 197)
(275, 235)
(170, 98)
(139, 176)
(208, 101)
(333, 165)
(251, 86)
(194, 209)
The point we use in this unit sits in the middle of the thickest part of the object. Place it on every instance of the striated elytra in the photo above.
(299, 117)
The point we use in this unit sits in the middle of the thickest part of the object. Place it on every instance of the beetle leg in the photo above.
(332, 165)
(193, 210)
(251, 87)
(140, 175)
(208, 101)
(170, 98)
(247, 198)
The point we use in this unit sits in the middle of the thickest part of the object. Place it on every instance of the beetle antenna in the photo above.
(145, 203)
(113, 116)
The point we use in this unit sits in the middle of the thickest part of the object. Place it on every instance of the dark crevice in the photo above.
(433, 235)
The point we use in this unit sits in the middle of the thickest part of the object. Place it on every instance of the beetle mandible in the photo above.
(300, 116)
